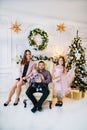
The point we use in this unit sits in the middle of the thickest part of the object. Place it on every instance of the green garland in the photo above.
(36, 58)
(45, 58)
(44, 37)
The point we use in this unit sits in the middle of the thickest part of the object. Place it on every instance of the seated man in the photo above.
(46, 80)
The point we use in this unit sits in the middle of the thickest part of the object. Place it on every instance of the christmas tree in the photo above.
(76, 60)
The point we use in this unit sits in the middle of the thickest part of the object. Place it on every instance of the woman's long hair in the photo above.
(63, 61)
(24, 59)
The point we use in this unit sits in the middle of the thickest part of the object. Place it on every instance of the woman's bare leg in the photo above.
(59, 99)
(18, 90)
(12, 91)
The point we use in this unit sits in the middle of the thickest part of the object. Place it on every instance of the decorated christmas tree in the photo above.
(76, 59)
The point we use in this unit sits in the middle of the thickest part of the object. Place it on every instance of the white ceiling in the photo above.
(45, 10)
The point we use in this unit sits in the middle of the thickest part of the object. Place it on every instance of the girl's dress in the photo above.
(63, 82)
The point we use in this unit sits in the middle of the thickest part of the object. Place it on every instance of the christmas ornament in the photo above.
(78, 55)
(61, 27)
(16, 27)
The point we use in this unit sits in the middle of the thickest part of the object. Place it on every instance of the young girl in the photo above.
(62, 80)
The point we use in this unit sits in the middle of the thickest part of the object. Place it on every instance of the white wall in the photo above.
(45, 15)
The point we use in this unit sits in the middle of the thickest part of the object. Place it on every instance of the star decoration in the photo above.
(61, 27)
(16, 27)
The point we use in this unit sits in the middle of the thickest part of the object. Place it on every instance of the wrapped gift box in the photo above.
(84, 94)
(69, 95)
(76, 94)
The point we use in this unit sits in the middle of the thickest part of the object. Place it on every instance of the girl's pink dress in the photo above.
(62, 85)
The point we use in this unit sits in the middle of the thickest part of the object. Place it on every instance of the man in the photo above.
(47, 79)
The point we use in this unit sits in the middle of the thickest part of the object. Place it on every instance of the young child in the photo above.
(36, 79)
(62, 80)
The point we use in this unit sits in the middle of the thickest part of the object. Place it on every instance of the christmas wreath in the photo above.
(41, 45)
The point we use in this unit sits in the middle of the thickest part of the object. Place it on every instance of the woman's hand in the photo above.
(56, 77)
